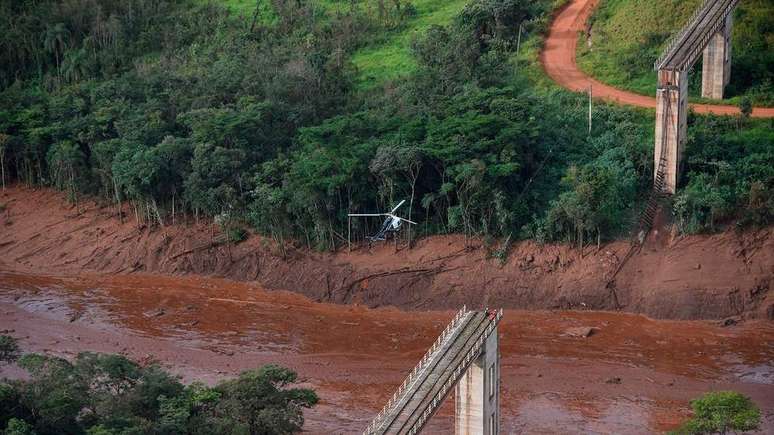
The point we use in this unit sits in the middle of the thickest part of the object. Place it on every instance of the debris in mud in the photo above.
(156, 313)
(615, 380)
(580, 331)
(729, 322)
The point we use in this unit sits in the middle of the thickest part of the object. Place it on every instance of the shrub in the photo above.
(701, 205)
(9, 348)
(236, 234)
(16, 426)
(721, 412)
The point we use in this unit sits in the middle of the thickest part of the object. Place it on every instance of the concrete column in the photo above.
(716, 66)
(671, 124)
(477, 407)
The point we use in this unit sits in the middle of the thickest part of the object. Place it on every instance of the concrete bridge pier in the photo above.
(671, 125)
(716, 66)
(477, 394)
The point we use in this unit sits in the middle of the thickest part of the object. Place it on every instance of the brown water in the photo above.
(633, 375)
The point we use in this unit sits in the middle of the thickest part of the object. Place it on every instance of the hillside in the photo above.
(717, 276)
(628, 35)
(184, 108)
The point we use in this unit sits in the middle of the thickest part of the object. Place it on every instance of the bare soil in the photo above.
(633, 375)
(558, 60)
(698, 277)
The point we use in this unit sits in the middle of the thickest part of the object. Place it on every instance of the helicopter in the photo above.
(391, 224)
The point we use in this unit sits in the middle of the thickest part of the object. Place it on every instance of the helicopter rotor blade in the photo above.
(366, 214)
(400, 218)
(398, 206)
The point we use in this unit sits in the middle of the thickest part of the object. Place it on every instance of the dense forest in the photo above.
(261, 122)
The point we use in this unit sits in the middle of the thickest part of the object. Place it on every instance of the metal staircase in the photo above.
(648, 214)
(424, 390)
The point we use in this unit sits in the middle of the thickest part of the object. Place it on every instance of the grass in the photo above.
(391, 58)
(628, 35)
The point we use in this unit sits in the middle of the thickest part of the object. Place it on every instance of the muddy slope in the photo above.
(699, 277)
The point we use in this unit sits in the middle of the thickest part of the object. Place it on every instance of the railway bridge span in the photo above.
(464, 357)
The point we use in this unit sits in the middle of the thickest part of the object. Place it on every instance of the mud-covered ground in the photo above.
(673, 277)
(632, 375)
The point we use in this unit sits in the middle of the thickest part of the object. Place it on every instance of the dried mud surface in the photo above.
(633, 375)
(699, 277)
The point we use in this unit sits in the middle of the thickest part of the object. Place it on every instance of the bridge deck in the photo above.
(688, 44)
(419, 398)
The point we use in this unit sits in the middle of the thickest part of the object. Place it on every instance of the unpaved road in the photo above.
(633, 375)
(558, 59)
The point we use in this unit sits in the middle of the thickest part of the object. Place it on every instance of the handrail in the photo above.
(456, 375)
(417, 368)
(677, 38)
(672, 41)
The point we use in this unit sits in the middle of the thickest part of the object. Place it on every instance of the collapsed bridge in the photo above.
(708, 33)
(465, 355)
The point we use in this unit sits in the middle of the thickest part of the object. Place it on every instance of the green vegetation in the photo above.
(102, 394)
(729, 174)
(185, 110)
(392, 58)
(720, 413)
(628, 36)
(9, 348)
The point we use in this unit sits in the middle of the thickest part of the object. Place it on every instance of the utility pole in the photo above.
(589, 109)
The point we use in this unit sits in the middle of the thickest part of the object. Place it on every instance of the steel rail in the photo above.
(460, 354)
(716, 10)
(421, 365)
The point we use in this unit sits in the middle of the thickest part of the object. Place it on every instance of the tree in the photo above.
(260, 402)
(598, 199)
(215, 184)
(702, 203)
(18, 427)
(55, 41)
(745, 108)
(53, 395)
(4, 139)
(9, 348)
(722, 412)
(404, 161)
(64, 158)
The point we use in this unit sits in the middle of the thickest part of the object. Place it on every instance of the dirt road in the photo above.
(558, 59)
(633, 375)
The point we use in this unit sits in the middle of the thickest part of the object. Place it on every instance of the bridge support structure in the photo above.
(707, 33)
(477, 394)
(671, 126)
(716, 64)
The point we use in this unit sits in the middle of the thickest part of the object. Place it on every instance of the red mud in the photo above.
(699, 277)
(558, 59)
(633, 375)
